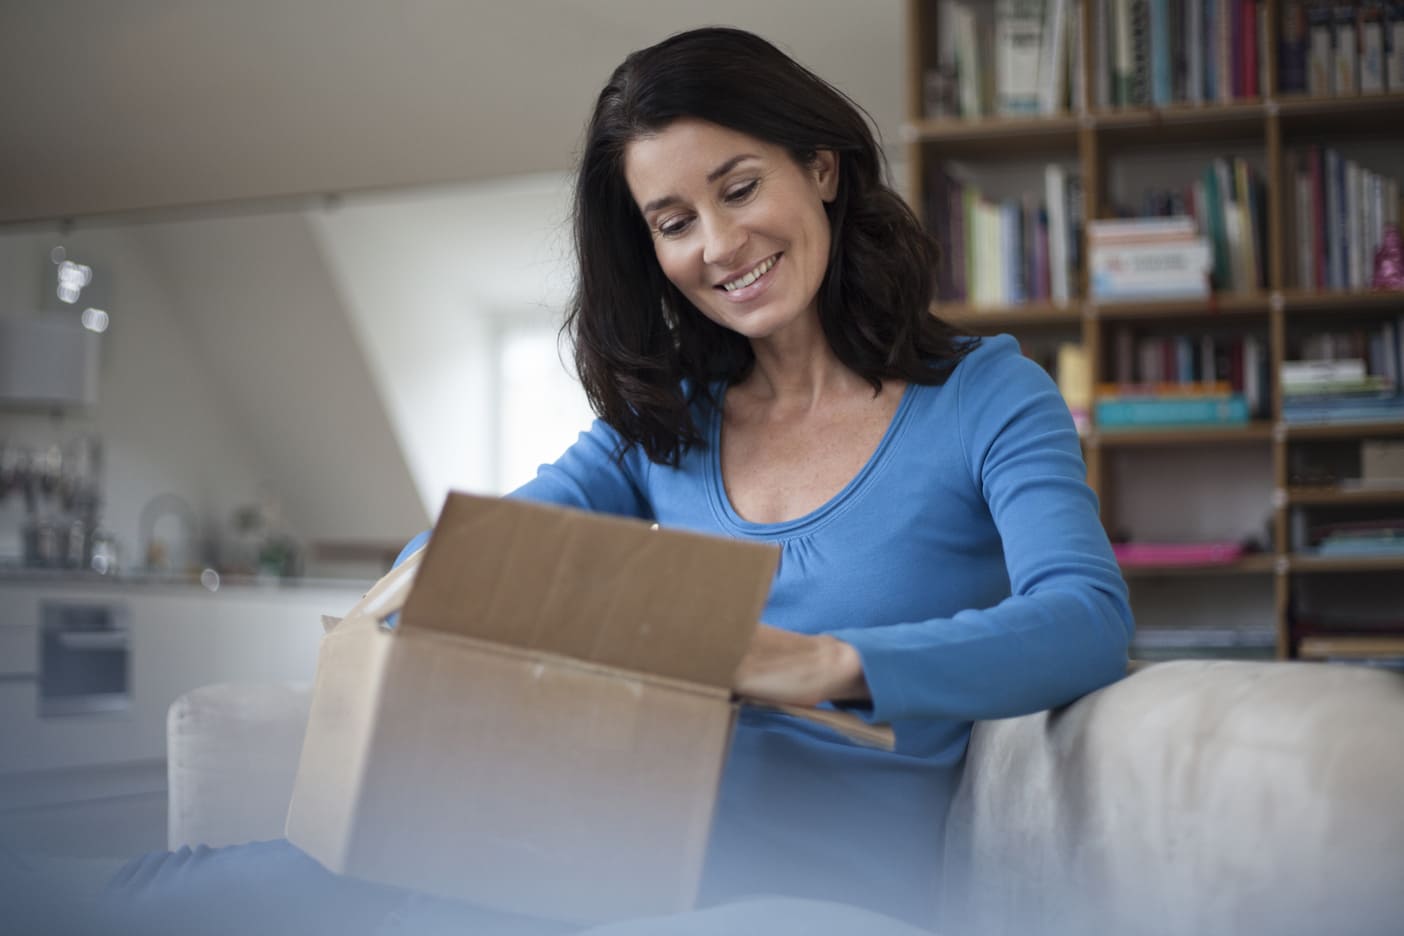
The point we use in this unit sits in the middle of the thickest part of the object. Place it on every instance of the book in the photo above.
(1055, 196)
(1247, 51)
(1394, 45)
(1101, 230)
(1372, 46)
(1161, 76)
(1304, 227)
(1123, 61)
(1292, 49)
(1158, 390)
(1193, 46)
(1052, 57)
(1222, 552)
(1140, 53)
(1353, 248)
(967, 59)
(1172, 412)
(1321, 64)
(1311, 372)
(1346, 49)
(1018, 42)
(1214, 199)
(1102, 46)
(1318, 216)
(1190, 257)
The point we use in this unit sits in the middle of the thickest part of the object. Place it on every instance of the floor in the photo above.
(107, 812)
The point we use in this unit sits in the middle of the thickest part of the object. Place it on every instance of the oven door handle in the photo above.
(94, 641)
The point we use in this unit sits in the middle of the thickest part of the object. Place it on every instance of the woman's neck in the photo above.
(797, 369)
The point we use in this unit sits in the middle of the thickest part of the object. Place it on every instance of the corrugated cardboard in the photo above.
(545, 730)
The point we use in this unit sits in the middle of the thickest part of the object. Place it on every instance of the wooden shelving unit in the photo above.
(1256, 565)
(1350, 647)
(1095, 138)
(1347, 430)
(1255, 433)
(1306, 564)
(1342, 497)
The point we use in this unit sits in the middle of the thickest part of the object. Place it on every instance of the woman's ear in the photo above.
(824, 170)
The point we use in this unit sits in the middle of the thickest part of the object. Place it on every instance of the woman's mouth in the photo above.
(750, 283)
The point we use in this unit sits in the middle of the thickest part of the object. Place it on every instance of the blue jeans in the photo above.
(273, 888)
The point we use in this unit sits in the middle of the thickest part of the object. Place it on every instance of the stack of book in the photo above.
(1007, 252)
(1157, 644)
(1331, 47)
(1011, 58)
(1203, 364)
(1380, 537)
(1345, 390)
(1228, 205)
(1148, 258)
(1169, 405)
(1159, 52)
(1338, 211)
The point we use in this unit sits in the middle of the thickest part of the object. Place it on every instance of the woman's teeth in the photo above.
(760, 270)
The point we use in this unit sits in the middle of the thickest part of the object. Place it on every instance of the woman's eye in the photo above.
(672, 227)
(742, 192)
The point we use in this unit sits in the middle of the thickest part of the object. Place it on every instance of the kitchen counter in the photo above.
(63, 578)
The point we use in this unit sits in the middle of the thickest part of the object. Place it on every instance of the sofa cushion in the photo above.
(1192, 797)
(232, 753)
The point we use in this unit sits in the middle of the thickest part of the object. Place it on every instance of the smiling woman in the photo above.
(752, 328)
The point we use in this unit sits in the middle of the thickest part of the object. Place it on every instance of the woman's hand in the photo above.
(799, 669)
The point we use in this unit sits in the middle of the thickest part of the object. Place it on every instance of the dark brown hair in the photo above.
(644, 353)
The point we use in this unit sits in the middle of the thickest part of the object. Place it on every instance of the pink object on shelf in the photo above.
(1389, 261)
(1164, 554)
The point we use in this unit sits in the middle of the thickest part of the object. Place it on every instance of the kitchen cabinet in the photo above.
(178, 637)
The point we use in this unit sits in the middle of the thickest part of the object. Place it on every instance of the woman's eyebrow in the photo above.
(669, 200)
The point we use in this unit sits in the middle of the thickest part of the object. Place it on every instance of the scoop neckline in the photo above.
(806, 523)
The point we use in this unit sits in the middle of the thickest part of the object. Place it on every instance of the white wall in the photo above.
(431, 280)
(164, 428)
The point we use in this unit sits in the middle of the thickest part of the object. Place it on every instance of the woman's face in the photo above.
(737, 225)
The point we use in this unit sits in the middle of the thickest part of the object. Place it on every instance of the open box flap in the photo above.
(852, 727)
(600, 588)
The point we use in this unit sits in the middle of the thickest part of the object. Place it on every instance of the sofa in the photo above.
(1197, 797)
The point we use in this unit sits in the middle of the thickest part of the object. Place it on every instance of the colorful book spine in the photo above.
(1321, 64)
(1394, 41)
(1172, 412)
(1162, 83)
(1347, 80)
(1292, 49)
(1372, 47)
(1319, 216)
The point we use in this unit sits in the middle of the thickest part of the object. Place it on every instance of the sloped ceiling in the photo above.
(278, 347)
(145, 103)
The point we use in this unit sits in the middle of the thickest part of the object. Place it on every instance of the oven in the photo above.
(84, 658)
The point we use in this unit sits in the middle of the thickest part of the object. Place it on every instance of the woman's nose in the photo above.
(724, 240)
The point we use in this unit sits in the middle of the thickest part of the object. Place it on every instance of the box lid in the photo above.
(609, 590)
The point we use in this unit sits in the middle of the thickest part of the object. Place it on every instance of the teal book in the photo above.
(1172, 412)
(1214, 226)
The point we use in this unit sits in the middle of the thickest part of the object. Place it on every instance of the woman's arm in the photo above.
(1065, 628)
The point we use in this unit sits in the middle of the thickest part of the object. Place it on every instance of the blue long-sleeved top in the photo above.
(965, 562)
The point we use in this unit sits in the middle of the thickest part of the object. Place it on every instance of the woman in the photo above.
(752, 327)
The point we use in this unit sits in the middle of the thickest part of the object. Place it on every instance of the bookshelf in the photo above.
(1095, 139)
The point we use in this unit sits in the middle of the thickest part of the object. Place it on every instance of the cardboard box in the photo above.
(544, 731)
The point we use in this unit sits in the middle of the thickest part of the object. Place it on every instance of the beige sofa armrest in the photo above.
(1191, 797)
(232, 753)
